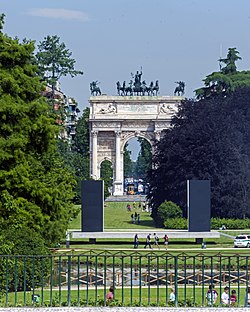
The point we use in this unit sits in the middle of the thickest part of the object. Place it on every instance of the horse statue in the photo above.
(129, 89)
(156, 87)
(118, 86)
(179, 90)
(143, 87)
(94, 89)
(150, 88)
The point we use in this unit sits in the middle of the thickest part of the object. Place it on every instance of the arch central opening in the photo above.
(137, 161)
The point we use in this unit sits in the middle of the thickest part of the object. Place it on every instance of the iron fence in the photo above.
(138, 279)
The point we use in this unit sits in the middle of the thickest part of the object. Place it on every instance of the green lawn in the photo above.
(128, 296)
(116, 216)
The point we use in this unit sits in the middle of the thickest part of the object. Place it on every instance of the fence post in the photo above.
(7, 279)
(69, 280)
(176, 279)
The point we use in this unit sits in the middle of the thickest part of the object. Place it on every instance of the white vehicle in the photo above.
(242, 240)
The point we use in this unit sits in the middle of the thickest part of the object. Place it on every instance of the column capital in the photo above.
(94, 133)
(118, 133)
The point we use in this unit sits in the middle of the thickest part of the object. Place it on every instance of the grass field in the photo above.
(116, 217)
(144, 296)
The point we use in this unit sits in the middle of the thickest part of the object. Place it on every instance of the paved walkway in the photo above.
(125, 309)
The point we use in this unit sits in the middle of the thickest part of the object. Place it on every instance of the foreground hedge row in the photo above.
(216, 223)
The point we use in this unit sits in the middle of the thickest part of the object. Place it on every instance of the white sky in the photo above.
(171, 39)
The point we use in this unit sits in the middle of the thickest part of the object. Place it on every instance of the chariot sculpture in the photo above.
(137, 87)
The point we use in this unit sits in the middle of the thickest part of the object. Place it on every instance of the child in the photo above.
(233, 298)
(211, 295)
(225, 297)
(110, 294)
(172, 295)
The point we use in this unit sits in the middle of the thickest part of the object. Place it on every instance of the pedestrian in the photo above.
(225, 297)
(156, 240)
(135, 215)
(138, 218)
(144, 206)
(233, 298)
(211, 295)
(172, 295)
(148, 241)
(165, 238)
(136, 241)
(248, 298)
(135, 218)
(134, 205)
(139, 206)
(128, 207)
(132, 217)
(110, 294)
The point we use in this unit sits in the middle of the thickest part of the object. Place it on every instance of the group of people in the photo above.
(226, 298)
(135, 218)
(141, 206)
(211, 296)
(150, 243)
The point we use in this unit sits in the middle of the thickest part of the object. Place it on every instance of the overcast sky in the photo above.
(171, 39)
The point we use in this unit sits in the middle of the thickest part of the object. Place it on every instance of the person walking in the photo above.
(165, 238)
(136, 241)
(148, 241)
(138, 218)
(156, 240)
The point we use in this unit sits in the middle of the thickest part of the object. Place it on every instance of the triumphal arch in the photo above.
(114, 120)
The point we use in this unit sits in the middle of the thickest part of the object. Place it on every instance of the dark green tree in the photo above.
(23, 244)
(144, 159)
(227, 79)
(208, 140)
(76, 155)
(127, 162)
(106, 176)
(36, 189)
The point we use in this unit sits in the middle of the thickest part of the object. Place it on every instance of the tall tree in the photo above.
(227, 79)
(35, 187)
(127, 162)
(144, 159)
(54, 60)
(76, 155)
(209, 140)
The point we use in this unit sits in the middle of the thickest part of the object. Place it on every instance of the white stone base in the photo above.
(117, 188)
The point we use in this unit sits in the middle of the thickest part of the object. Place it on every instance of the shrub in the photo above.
(176, 223)
(169, 210)
(29, 267)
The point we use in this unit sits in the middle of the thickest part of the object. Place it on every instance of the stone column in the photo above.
(94, 174)
(118, 178)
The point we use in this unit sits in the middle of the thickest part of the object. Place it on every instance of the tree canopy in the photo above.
(54, 60)
(227, 79)
(35, 187)
(209, 139)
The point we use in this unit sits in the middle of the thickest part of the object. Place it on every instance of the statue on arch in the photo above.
(94, 88)
(179, 90)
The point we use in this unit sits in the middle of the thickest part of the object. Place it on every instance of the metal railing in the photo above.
(138, 279)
